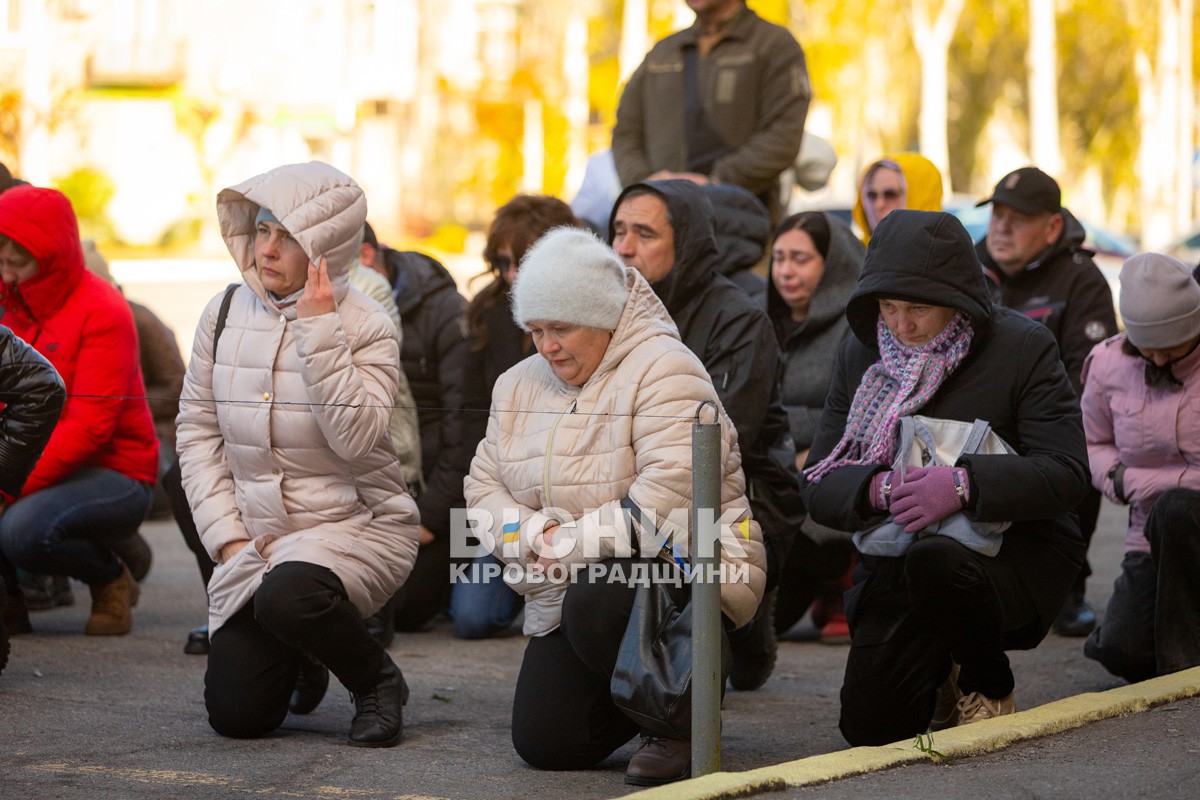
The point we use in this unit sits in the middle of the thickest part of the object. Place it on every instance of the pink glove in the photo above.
(881, 490)
(929, 495)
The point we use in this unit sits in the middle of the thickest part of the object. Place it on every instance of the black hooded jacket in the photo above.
(1012, 377)
(811, 347)
(733, 338)
(433, 354)
(32, 394)
(743, 229)
(1064, 290)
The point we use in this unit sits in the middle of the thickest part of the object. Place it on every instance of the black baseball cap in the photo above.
(1028, 190)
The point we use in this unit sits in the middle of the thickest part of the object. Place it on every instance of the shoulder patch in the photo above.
(1095, 331)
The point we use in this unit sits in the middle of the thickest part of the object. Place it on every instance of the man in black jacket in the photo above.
(432, 353)
(664, 230)
(1033, 255)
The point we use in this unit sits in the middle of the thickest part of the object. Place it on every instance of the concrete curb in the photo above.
(982, 737)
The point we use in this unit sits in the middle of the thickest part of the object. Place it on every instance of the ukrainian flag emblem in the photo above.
(744, 527)
(511, 532)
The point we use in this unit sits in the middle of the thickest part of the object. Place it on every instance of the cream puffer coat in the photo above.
(283, 434)
(580, 450)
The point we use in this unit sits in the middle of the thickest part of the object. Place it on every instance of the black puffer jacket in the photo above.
(743, 229)
(433, 354)
(811, 347)
(1064, 290)
(33, 395)
(733, 338)
(1012, 377)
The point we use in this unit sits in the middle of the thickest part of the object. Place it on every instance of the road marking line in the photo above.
(181, 778)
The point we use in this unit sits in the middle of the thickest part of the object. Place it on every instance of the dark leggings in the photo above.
(1152, 625)
(300, 609)
(563, 715)
(908, 617)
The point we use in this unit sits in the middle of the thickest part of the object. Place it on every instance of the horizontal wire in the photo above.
(689, 417)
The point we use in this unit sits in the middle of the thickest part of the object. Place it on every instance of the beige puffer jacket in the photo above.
(581, 450)
(283, 434)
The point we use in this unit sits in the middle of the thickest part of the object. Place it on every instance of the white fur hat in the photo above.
(570, 276)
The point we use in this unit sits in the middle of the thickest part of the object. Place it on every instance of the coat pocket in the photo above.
(235, 582)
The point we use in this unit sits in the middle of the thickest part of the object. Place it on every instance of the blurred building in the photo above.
(439, 108)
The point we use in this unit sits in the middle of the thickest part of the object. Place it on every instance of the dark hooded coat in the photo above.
(1012, 377)
(811, 347)
(433, 354)
(743, 230)
(733, 338)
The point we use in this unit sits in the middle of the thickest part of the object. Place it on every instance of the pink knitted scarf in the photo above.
(902, 381)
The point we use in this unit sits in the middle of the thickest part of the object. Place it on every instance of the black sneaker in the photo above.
(1076, 618)
(197, 642)
(43, 592)
(754, 654)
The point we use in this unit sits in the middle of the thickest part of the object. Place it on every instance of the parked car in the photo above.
(1187, 249)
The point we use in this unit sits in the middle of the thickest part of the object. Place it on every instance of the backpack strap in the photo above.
(223, 314)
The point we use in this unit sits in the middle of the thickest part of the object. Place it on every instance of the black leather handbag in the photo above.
(652, 680)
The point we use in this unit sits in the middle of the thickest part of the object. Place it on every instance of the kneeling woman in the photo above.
(926, 340)
(601, 413)
(288, 467)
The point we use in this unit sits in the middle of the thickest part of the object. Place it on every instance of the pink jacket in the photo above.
(1155, 433)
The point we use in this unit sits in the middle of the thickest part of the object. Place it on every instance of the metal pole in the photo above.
(706, 594)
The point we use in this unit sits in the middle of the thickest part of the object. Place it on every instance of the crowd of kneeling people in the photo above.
(900, 456)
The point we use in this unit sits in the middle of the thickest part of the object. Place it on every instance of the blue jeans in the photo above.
(67, 529)
(483, 609)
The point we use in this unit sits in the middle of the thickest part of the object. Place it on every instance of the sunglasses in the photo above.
(886, 194)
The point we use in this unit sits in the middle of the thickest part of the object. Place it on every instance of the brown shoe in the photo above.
(945, 710)
(16, 614)
(976, 707)
(111, 604)
(660, 760)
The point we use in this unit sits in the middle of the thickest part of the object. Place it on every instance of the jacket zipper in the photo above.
(550, 447)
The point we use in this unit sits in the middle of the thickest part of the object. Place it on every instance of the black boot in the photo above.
(382, 624)
(379, 711)
(311, 684)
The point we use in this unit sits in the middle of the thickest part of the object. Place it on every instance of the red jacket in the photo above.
(85, 329)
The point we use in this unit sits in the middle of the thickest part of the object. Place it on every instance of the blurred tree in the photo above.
(933, 26)
(90, 191)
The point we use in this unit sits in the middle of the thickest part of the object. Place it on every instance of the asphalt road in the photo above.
(107, 718)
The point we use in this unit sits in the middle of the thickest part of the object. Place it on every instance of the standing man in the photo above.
(722, 101)
(1034, 256)
(664, 230)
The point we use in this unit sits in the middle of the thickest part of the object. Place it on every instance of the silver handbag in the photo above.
(924, 442)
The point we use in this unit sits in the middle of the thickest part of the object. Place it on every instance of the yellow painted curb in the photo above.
(970, 740)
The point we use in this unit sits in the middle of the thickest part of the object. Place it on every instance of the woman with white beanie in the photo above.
(1141, 413)
(602, 412)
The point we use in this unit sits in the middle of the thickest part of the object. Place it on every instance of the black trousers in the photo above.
(299, 610)
(811, 567)
(427, 590)
(908, 617)
(1152, 625)
(172, 484)
(563, 715)
(1088, 512)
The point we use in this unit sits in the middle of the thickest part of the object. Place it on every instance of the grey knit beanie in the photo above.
(570, 276)
(1160, 302)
